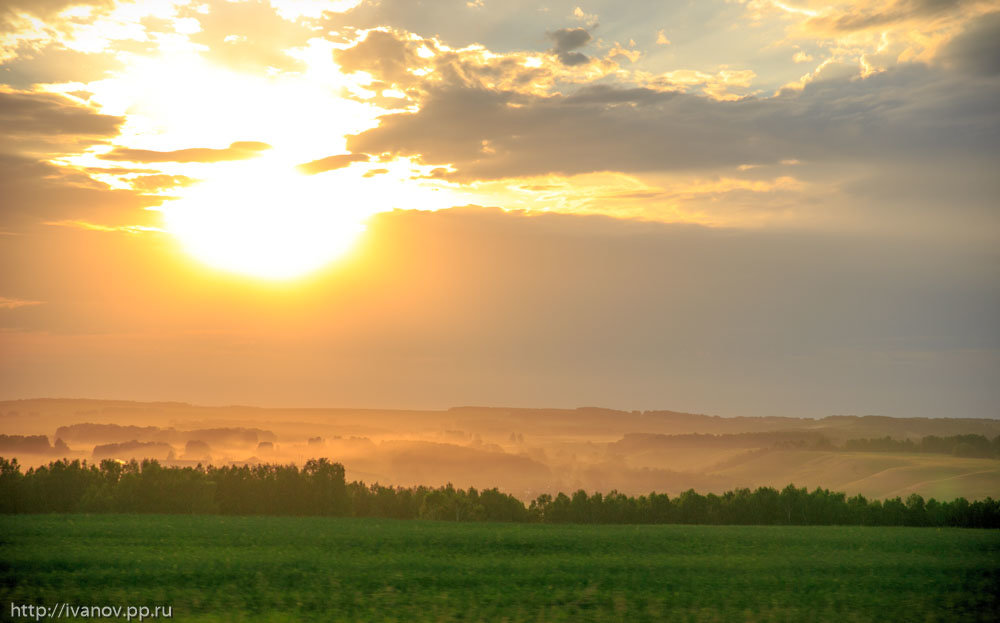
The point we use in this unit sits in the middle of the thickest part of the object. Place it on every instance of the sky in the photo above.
(739, 207)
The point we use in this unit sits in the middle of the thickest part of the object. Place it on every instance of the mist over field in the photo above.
(527, 452)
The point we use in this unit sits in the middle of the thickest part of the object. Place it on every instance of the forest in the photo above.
(320, 488)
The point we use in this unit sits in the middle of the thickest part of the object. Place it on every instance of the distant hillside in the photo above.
(529, 451)
(878, 475)
(44, 416)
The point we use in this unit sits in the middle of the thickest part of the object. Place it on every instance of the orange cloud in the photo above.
(717, 86)
(416, 65)
(153, 183)
(330, 163)
(240, 150)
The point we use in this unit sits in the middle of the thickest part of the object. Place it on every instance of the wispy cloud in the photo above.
(240, 150)
(84, 225)
(331, 163)
(11, 303)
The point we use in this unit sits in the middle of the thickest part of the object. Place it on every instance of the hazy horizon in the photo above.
(526, 451)
(452, 407)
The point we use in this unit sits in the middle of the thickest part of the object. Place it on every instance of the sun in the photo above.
(265, 223)
(262, 216)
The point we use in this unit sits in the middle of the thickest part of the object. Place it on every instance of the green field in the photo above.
(213, 568)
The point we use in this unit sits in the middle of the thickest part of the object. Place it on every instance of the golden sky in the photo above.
(741, 207)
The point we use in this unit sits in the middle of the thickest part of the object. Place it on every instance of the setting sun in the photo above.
(265, 223)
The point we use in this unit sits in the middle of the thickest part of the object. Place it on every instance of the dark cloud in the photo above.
(556, 135)
(978, 48)
(35, 193)
(566, 41)
(910, 112)
(381, 54)
(330, 163)
(240, 150)
(42, 115)
(38, 126)
(881, 14)
(606, 94)
(560, 135)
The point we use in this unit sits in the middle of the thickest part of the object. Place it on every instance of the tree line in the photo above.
(973, 446)
(31, 444)
(320, 488)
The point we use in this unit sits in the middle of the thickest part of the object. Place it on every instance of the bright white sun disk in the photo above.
(263, 224)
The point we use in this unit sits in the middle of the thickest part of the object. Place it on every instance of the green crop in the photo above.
(212, 568)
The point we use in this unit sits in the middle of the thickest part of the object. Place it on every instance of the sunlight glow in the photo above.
(262, 223)
(255, 217)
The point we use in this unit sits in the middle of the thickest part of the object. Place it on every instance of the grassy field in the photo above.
(293, 569)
